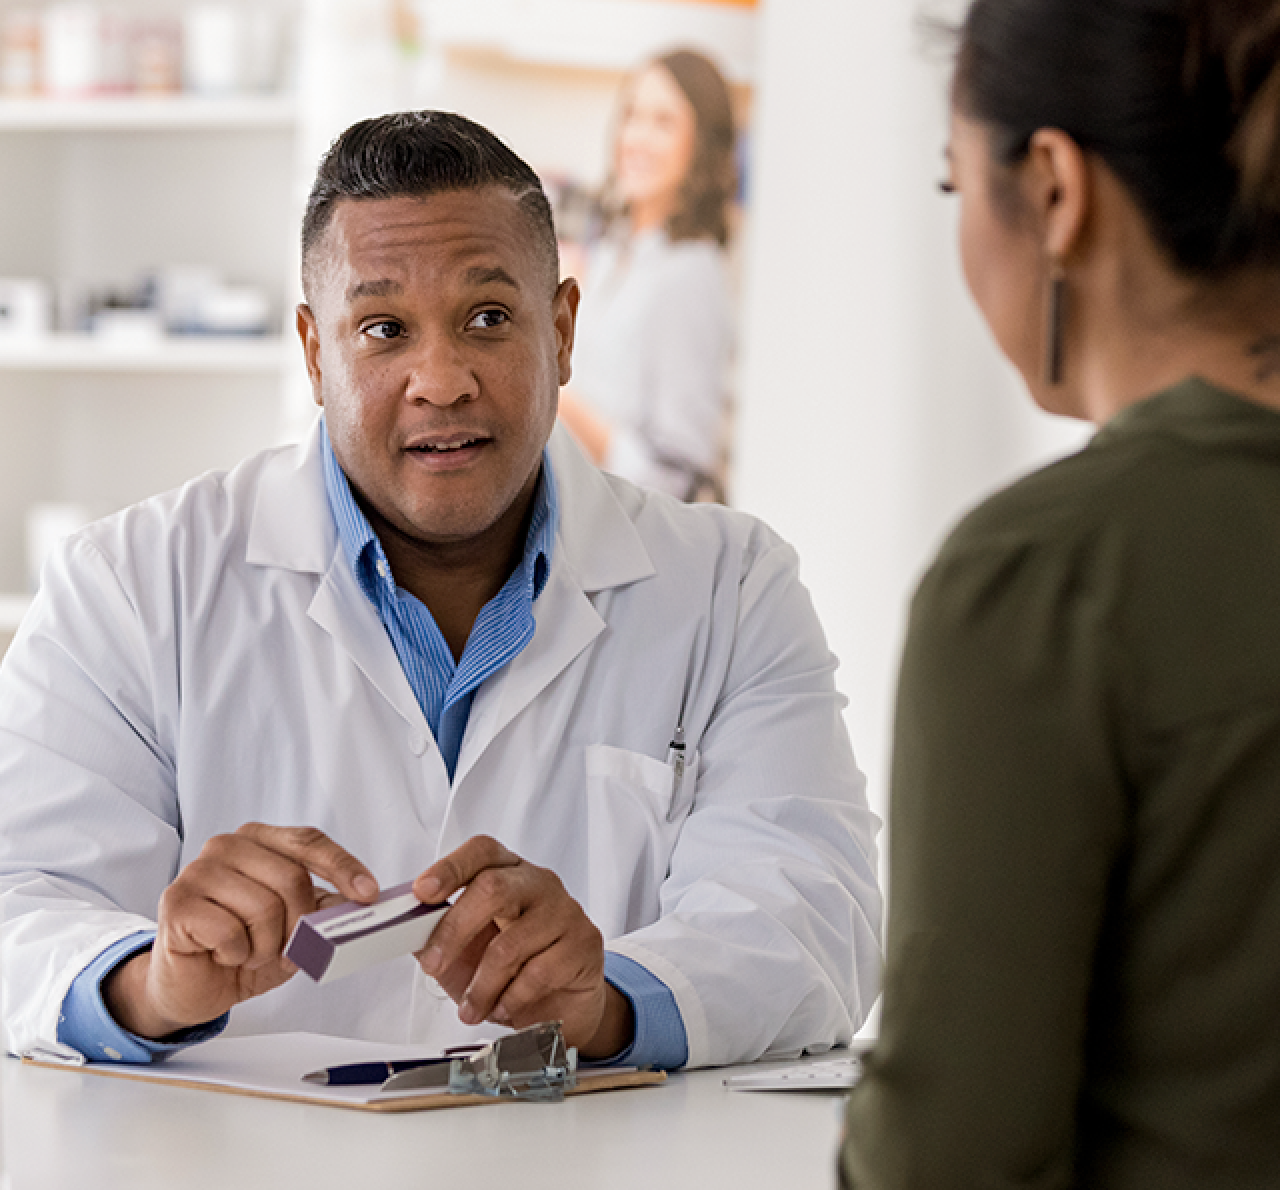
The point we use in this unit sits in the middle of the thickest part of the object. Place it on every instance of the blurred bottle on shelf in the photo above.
(193, 300)
(211, 46)
(157, 56)
(115, 53)
(26, 307)
(72, 46)
(20, 51)
(263, 50)
(230, 48)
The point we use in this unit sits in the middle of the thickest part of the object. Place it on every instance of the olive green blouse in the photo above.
(1083, 971)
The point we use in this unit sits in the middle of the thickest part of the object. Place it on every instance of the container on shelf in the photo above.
(128, 326)
(20, 51)
(211, 49)
(71, 60)
(157, 56)
(26, 307)
(77, 49)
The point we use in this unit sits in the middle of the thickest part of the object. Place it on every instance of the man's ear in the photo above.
(564, 314)
(309, 333)
(1059, 184)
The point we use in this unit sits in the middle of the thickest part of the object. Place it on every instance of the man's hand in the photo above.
(516, 949)
(224, 923)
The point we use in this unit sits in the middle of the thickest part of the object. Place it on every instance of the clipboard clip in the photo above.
(532, 1063)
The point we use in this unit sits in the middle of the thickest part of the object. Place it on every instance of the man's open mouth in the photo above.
(443, 448)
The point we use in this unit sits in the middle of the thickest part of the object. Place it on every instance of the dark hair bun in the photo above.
(1181, 98)
(1243, 41)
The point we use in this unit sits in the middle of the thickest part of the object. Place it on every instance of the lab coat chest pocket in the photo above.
(635, 810)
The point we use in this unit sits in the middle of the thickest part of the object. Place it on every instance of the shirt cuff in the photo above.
(86, 1024)
(660, 1039)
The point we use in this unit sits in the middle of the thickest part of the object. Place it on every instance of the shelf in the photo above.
(12, 609)
(125, 113)
(84, 353)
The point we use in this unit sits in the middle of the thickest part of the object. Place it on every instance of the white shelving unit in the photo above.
(99, 191)
(147, 113)
(197, 355)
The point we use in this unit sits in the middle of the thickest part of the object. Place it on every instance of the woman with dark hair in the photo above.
(1083, 971)
(650, 367)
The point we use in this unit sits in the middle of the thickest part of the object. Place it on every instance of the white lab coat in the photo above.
(205, 659)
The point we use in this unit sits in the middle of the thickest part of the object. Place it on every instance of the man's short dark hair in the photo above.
(416, 155)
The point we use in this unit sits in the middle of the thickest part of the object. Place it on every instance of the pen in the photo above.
(675, 758)
(360, 1074)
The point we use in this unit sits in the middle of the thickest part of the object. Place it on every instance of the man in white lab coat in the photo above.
(432, 643)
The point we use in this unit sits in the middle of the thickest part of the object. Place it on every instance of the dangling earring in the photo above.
(1055, 323)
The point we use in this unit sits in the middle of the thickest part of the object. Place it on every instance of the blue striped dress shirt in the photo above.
(445, 688)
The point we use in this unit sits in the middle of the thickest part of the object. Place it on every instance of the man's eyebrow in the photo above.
(376, 289)
(490, 276)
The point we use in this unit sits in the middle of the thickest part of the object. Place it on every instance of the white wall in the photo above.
(874, 407)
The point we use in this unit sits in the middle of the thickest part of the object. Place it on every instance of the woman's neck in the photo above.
(1130, 361)
(649, 215)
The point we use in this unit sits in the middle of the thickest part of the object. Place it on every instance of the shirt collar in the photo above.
(369, 562)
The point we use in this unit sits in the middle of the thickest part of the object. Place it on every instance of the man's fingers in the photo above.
(457, 977)
(225, 855)
(318, 853)
(200, 927)
(459, 868)
(495, 896)
(325, 899)
(264, 913)
(516, 927)
(505, 960)
(556, 972)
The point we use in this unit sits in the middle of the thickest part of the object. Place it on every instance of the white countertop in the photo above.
(68, 1130)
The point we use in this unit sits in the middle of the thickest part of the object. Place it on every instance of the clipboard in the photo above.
(271, 1066)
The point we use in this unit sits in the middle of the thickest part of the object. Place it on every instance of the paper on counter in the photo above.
(832, 1074)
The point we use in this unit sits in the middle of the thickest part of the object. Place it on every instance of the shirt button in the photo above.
(114, 1055)
(417, 742)
(383, 568)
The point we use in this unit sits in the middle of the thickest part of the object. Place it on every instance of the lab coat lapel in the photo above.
(596, 548)
(292, 528)
(567, 623)
(342, 610)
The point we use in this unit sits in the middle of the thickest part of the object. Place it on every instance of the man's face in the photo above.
(437, 343)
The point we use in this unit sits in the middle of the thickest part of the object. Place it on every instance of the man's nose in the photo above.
(439, 371)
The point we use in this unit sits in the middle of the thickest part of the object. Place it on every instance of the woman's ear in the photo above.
(1057, 182)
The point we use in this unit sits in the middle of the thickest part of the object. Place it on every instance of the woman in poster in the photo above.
(649, 399)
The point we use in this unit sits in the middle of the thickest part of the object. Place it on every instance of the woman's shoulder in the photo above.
(1156, 543)
(1111, 492)
(1180, 458)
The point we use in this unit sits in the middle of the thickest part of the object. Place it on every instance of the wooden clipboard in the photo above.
(212, 1066)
